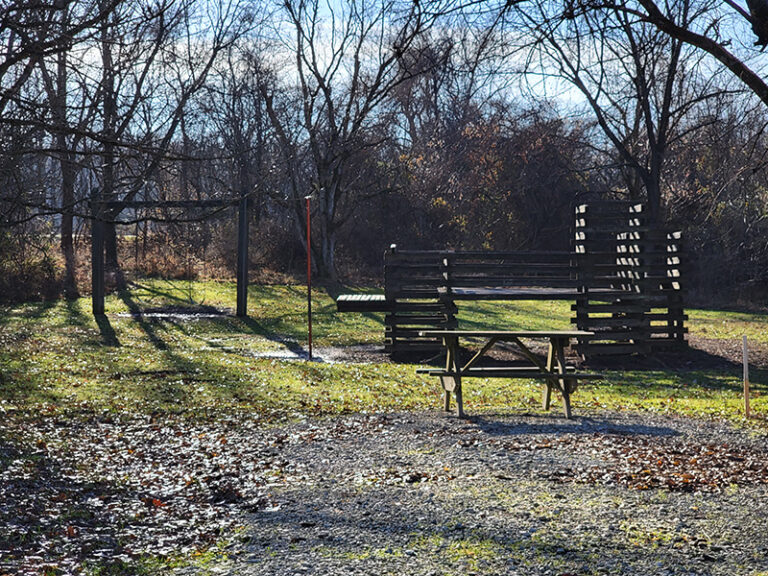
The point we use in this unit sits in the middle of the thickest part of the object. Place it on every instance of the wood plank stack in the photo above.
(665, 291)
(630, 275)
(411, 282)
(519, 275)
(623, 274)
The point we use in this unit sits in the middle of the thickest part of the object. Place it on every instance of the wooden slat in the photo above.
(405, 320)
(406, 292)
(587, 309)
(501, 283)
(511, 294)
(509, 333)
(363, 303)
(510, 373)
(485, 267)
(400, 306)
(599, 322)
(632, 334)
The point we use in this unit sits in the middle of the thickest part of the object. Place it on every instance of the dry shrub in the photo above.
(28, 271)
(274, 255)
(160, 255)
(274, 247)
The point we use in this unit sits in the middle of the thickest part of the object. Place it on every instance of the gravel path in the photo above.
(429, 494)
(414, 493)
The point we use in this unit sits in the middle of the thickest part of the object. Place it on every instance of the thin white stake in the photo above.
(746, 377)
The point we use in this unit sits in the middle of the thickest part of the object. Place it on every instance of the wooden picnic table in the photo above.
(555, 372)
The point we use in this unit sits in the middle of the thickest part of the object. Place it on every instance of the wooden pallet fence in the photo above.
(606, 258)
(615, 247)
(412, 279)
(625, 277)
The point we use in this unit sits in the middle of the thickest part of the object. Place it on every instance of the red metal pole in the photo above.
(309, 280)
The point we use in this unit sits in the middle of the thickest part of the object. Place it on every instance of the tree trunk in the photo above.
(326, 260)
(67, 225)
(66, 166)
(653, 184)
(111, 250)
(110, 246)
(109, 156)
(653, 195)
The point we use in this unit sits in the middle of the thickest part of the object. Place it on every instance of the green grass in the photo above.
(728, 325)
(55, 356)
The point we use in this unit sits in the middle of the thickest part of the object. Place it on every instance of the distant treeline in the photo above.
(436, 124)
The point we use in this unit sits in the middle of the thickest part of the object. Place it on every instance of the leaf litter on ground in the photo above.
(117, 489)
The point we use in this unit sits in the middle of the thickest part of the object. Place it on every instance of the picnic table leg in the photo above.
(459, 400)
(546, 398)
(457, 379)
(445, 381)
(559, 345)
(453, 383)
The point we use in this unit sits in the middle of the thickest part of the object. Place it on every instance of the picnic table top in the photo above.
(508, 333)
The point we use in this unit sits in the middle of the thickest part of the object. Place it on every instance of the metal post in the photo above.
(242, 257)
(309, 278)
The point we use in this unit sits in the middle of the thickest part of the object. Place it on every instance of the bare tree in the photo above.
(233, 109)
(641, 85)
(36, 35)
(345, 64)
(66, 141)
(722, 41)
(32, 30)
(154, 58)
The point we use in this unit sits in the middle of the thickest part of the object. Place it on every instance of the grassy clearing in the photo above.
(55, 356)
(729, 325)
(56, 359)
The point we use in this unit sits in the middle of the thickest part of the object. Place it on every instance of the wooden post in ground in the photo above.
(97, 259)
(746, 376)
(242, 257)
(309, 278)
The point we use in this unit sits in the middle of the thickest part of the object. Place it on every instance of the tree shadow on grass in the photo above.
(32, 310)
(180, 296)
(148, 327)
(175, 392)
(689, 365)
(228, 324)
(26, 324)
(261, 330)
(108, 335)
(681, 359)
